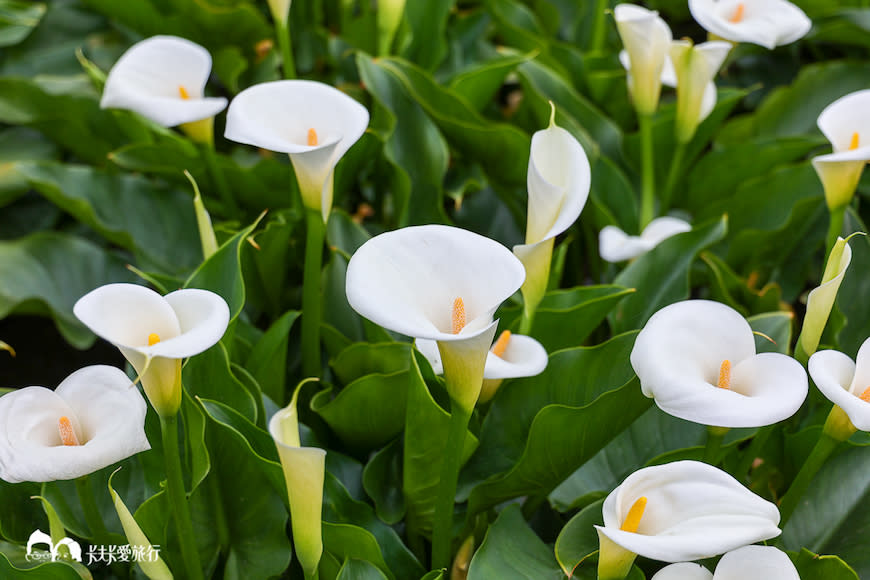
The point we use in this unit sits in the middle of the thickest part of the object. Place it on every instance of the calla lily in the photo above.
(846, 124)
(697, 359)
(681, 511)
(844, 382)
(558, 181)
(304, 472)
(280, 10)
(769, 23)
(615, 245)
(95, 417)
(155, 332)
(695, 67)
(746, 563)
(821, 299)
(163, 79)
(646, 38)
(312, 122)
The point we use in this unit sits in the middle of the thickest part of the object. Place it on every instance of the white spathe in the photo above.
(746, 563)
(278, 116)
(646, 38)
(846, 124)
(678, 357)
(105, 410)
(821, 299)
(695, 66)
(407, 280)
(523, 357)
(615, 245)
(769, 23)
(843, 381)
(683, 571)
(153, 77)
(693, 511)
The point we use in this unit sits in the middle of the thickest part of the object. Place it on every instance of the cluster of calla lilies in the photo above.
(697, 359)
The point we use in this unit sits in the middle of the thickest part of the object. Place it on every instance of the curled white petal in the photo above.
(614, 245)
(678, 356)
(683, 571)
(646, 38)
(843, 381)
(769, 23)
(107, 414)
(764, 562)
(149, 78)
(407, 280)
(523, 357)
(693, 511)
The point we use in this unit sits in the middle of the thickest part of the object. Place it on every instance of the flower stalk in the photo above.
(282, 33)
(314, 237)
(648, 178)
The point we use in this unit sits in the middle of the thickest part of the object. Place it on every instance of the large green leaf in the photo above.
(578, 539)
(814, 567)
(346, 541)
(427, 23)
(208, 376)
(17, 19)
(267, 362)
(46, 571)
(46, 273)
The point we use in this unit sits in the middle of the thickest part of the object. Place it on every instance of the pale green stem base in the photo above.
(314, 236)
(648, 178)
(178, 499)
(282, 32)
(446, 494)
(673, 177)
(835, 227)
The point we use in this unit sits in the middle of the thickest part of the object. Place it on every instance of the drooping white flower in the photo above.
(682, 511)
(697, 359)
(844, 382)
(846, 124)
(94, 418)
(695, 66)
(155, 332)
(435, 282)
(312, 122)
(769, 23)
(615, 245)
(646, 38)
(163, 78)
(746, 563)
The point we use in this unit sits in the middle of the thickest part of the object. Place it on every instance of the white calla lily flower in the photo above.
(314, 123)
(821, 299)
(768, 23)
(615, 245)
(683, 571)
(844, 382)
(439, 283)
(695, 66)
(681, 511)
(155, 332)
(163, 79)
(697, 359)
(846, 124)
(646, 38)
(95, 417)
(280, 10)
(746, 563)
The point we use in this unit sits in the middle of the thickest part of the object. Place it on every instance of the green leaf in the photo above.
(345, 541)
(22, 515)
(729, 288)
(17, 19)
(775, 325)
(46, 571)
(512, 550)
(354, 569)
(661, 276)
(479, 84)
(855, 285)
(47, 272)
(268, 360)
(18, 146)
(208, 376)
(578, 539)
(427, 22)
(382, 478)
(814, 567)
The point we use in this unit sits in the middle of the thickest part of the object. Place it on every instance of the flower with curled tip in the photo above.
(163, 79)
(155, 332)
(615, 245)
(845, 382)
(678, 512)
(95, 417)
(697, 359)
(314, 123)
(769, 23)
(695, 66)
(646, 38)
(746, 563)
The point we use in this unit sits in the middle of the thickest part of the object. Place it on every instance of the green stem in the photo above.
(314, 237)
(526, 321)
(820, 453)
(282, 32)
(178, 498)
(835, 227)
(599, 27)
(314, 575)
(715, 435)
(673, 177)
(91, 511)
(219, 180)
(446, 494)
(648, 177)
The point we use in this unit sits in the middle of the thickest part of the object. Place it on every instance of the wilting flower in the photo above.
(769, 23)
(558, 181)
(439, 283)
(615, 245)
(746, 563)
(697, 359)
(646, 38)
(821, 299)
(94, 418)
(155, 332)
(312, 122)
(847, 126)
(304, 470)
(163, 79)
(844, 382)
(695, 67)
(681, 511)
